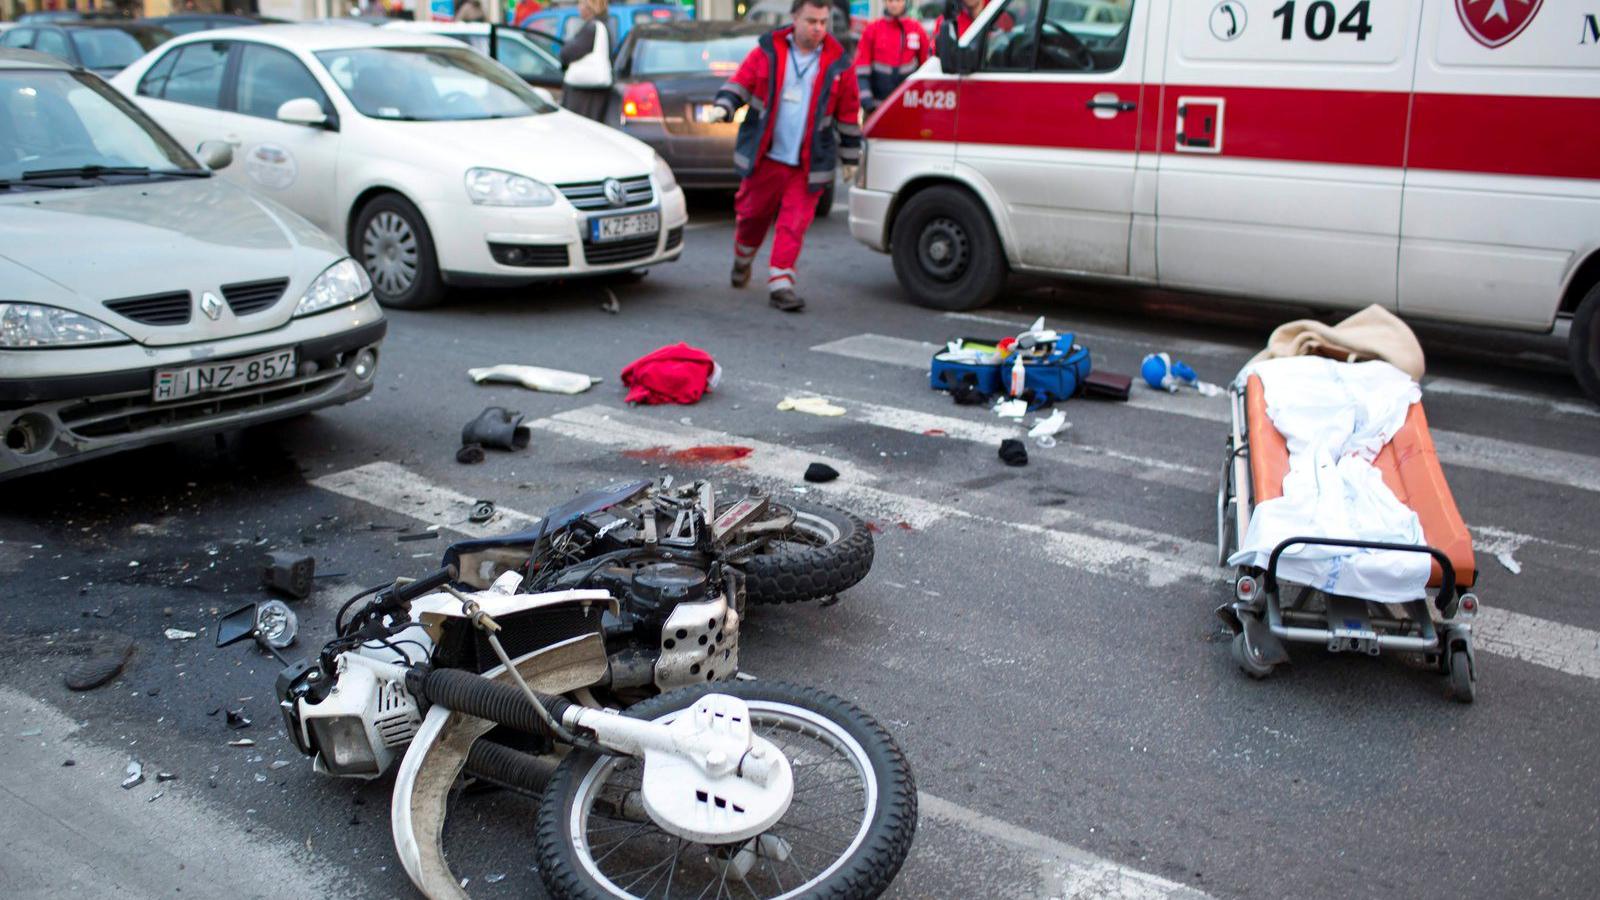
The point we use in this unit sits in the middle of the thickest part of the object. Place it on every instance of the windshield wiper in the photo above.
(85, 172)
(183, 173)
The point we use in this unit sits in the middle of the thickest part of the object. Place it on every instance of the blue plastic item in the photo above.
(1164, 373)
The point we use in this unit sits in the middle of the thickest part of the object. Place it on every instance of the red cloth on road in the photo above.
(676, 374)
(774, 191)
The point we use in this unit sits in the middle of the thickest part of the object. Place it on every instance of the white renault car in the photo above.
(435, 165)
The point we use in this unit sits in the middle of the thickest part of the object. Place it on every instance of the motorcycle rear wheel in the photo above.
(824, 552)
(844, 837)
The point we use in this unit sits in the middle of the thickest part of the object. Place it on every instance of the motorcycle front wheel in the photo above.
(844, 837)
(825, 551)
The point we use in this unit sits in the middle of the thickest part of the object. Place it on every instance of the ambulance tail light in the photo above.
(641, 103)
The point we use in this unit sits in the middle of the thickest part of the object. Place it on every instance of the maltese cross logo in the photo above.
(1493, 23)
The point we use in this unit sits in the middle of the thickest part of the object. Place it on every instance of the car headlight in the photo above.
(492, 187)
(27, 325)
(665, 180)
(343, 282)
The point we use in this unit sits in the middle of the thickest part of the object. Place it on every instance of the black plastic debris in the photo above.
(289, 573)
(417, 536)
(1013, 452)
(482, 511)
(498, 428)
(237, 719)
(819, 473)
(470, 454)
(102, 660)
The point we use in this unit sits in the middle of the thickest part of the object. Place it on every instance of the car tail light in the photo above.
(661, 13)
(641, 103)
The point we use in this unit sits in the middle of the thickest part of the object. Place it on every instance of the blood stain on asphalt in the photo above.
(717, 453)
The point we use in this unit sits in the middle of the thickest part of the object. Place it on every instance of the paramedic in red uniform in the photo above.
(890, 50)
(802, 122)
(968, 13)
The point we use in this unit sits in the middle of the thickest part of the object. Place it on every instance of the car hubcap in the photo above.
(389, 250)
(944, 249)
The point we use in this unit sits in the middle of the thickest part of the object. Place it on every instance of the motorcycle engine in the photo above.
(677, 625)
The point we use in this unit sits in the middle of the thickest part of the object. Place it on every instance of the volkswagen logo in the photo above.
(211, 306)
(616, 195)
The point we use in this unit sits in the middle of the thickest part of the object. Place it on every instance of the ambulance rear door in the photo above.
(1282, 148)
(1049, 122)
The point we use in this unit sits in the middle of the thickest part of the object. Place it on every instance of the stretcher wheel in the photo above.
(1249, 660)
(1462, 686)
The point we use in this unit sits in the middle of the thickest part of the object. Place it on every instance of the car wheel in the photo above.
(945, 250)
(825, 202)
(392, 242)
(1583, 344)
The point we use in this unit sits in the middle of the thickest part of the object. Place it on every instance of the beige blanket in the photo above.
(1373, 333)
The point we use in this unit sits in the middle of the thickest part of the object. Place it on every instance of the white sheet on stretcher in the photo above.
(1336, 417)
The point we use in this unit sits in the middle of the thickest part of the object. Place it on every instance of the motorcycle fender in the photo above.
(438, 753)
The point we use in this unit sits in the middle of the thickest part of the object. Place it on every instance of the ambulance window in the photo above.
(1008, 41)
(1083, 35)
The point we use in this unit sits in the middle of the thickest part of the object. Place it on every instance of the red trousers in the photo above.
(773, 191)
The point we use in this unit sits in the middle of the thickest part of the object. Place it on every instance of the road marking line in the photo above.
(911, 421)
(1467, 450)
(1566, 648)
(1157, 559)
(1077, 873)
(1458, 387)
(398, 489)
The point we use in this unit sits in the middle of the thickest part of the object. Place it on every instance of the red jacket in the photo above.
(832, 121)
(890, 50)
(964, 21)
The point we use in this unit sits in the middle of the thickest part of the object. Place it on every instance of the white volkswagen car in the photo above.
(435, 165)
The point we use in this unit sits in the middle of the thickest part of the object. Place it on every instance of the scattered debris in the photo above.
(102, 661)
(1510, 562)
(135, 773)
(242, 742)
(816, 406)
(279, 764)
(67, 763)
(495, 879)
(31, 732)
(1013, 453)
(1011, 409)
(1163, 373)
(482, 511)
(1045, 430)
(165, 776)
(611, 304)
(1107, 386)
(497, 428)
(289, 573)
(819, 473)
(156, 796)
(260, 778)
(673, 374)
(535, 378)
(237, 719)
(178, 634)
(470, 454)
(417, 536)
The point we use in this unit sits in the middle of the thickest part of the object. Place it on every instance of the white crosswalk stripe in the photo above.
(1467, 450)
(398, 489)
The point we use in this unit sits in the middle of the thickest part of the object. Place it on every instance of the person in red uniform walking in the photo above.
(802, 123)
(968, 13)
(890, 50)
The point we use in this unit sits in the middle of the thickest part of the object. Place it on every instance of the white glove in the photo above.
(720, 113)
(848, 172)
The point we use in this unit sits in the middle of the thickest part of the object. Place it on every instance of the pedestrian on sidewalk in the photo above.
(586, 83)
(802, 122)
(890, 50)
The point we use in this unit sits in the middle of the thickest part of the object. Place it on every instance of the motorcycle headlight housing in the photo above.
(342, 283)
(665, 180)
(33, 326)
(493, 187)
(344, 745)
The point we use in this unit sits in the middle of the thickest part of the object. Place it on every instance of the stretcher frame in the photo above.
(1262, 622)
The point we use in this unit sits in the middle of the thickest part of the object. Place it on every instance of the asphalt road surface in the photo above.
(1040, 640)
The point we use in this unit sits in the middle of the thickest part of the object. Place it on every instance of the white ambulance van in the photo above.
(1439, 157)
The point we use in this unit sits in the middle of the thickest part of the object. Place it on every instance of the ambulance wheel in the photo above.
(1583, 346)
(1250, 663)
(946, 253)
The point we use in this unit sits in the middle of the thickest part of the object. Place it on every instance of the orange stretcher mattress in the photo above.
(1410, 468)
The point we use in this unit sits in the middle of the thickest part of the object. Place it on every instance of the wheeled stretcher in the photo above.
(1439, 627)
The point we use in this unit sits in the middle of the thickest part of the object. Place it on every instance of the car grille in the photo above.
(592, 194)
(533, 256)
(154, 309)
(674, 238)
(619, 251)
(253, 296)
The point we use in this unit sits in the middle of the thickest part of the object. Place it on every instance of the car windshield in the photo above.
(714, 56)
(52, 120)
(429, 84)
(111, 48)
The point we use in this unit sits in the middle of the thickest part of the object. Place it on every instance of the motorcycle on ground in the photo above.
(593, 661)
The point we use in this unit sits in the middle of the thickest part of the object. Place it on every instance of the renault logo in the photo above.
(211, 306)
(616, 195)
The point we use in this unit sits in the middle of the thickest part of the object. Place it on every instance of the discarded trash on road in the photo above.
(1045, 430)
(135, 775)
(497, 428)
(535, 378)
(816, 406)
(470, 454)
(178, 634)
(289, 573)
(1011, 409)
(1013, 452)
(819, 473)
(677, 373)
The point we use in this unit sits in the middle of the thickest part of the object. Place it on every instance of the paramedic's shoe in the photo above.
(741, 273)
(787, 300)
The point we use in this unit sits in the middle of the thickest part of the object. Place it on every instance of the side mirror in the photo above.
(215, 155)
(302, 111)
(947, 43)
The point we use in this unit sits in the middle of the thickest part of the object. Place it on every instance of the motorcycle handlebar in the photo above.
(425, 585)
